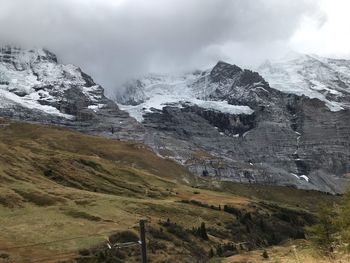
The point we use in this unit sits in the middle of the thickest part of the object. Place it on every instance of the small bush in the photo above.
(265, 254)
(155, 245)
(233, 211)
(96, 166)
(198, 203)
(159, 234)
(226, 250)
(82, 215)
(4, 256)
(176, 230)
(40, 198)
(123, 237)
(84, 252)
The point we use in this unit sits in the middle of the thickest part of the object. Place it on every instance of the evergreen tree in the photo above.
(324, 233)
(333, 226)
(203, 232)
(343, 218)
(219, 250)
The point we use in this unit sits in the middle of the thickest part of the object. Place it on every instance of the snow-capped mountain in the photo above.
(205, 89)
(325, 79)
(288, 126)
(35, 87)
(315, 77)
(34, 79)
(154, 92)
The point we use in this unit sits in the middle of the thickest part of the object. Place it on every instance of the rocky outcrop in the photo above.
(231, 125)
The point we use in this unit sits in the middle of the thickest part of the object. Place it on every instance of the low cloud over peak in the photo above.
(117, 39)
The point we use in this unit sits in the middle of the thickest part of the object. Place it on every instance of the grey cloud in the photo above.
(113, 41)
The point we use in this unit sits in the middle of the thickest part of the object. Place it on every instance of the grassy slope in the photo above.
(291, 252)
(58, 184)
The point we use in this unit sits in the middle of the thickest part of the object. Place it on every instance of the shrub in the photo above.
(176, 230)
(211, 253)
(198, 203)
(226, 250)
(232, 210)
(159, 234)
(201, 232)
(123, 237)
(265, 254)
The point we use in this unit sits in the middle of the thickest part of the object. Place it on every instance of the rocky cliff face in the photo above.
(35, 87)
(289, 124)
(231, 124)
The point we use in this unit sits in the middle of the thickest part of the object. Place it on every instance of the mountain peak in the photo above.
(21, 57)
(223, 70)
(313, 76)
(33, 79)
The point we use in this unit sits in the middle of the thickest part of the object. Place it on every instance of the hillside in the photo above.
(62, 193)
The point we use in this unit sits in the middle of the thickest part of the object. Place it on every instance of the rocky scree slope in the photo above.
(231, 124)
(35, 87)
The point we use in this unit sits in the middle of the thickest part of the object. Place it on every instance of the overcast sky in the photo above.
(114, 40)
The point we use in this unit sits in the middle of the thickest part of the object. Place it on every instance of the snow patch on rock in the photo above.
(33, 79)
(154, 92)
(322, 78)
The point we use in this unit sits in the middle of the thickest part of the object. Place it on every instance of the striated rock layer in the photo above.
(282, 137)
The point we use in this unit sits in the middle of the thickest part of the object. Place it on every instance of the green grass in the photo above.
(215, 260)
(57, 184)
(286, 196)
